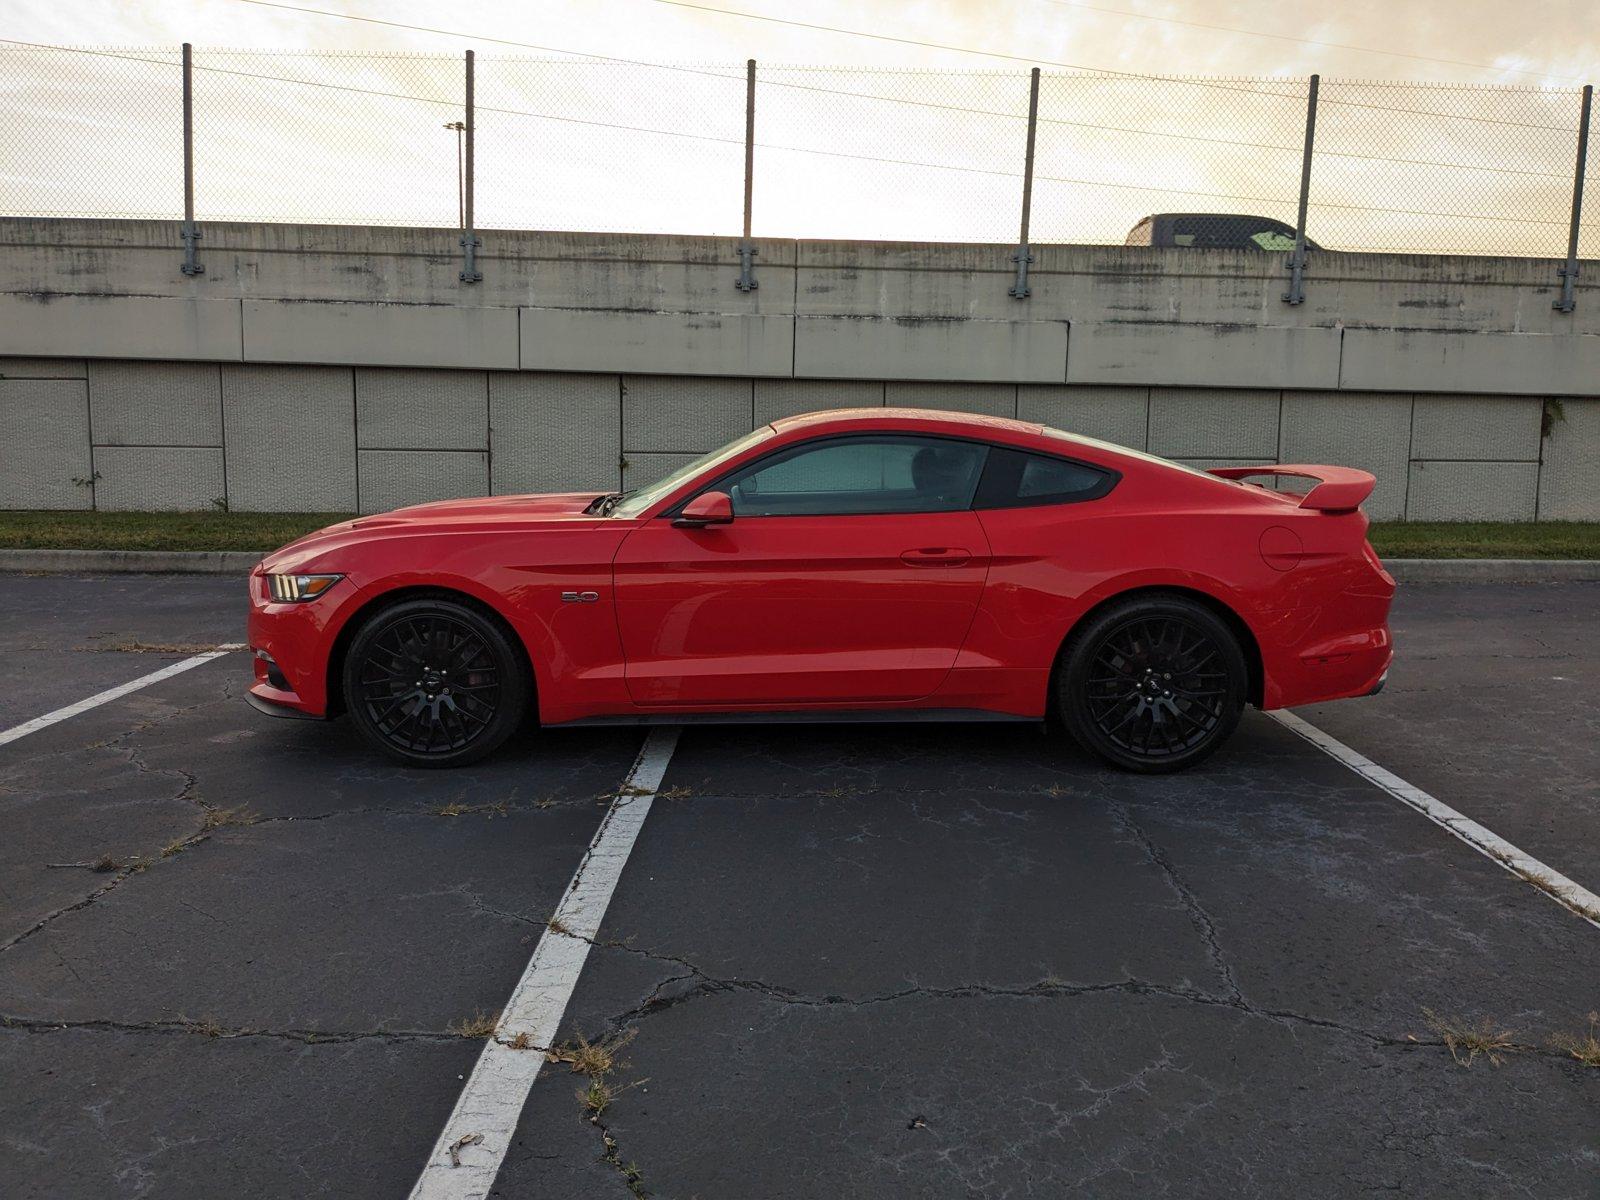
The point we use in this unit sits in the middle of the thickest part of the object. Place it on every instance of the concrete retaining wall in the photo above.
(116, 434)
(333, 368)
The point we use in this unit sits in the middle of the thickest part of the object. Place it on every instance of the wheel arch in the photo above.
(1225, 612)
(397, 595)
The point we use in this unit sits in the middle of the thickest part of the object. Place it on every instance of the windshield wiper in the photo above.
(602, 505)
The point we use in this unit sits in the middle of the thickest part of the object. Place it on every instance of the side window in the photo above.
(1016, 479)
(858, 475)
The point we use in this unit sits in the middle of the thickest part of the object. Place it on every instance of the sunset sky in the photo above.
(874, 147)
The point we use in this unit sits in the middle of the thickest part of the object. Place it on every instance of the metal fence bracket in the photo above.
(189, 232)
(1297, 257)
(1020, 288)
(1024, 254)
(747, 268)
(1569, 273)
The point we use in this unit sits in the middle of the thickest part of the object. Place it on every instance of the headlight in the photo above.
(297, 589)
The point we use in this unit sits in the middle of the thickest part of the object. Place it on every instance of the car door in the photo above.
(849, 573)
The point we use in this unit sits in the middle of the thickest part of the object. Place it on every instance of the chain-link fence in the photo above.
(612, 145)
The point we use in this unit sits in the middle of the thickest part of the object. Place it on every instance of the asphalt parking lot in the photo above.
(245, 957)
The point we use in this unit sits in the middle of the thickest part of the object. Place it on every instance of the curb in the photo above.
(1493, 570)
(179, 562)
(240, 562)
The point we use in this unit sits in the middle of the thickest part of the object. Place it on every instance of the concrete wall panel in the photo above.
(120, 327)
(421, 410)
(924, 348)
(1240, 356)
(1569, 482)
(389, 335)
(777, 398)
(1490, 428)
(678, 413)
(554, 433)
(158, 478)
(1112, 414)
(1215, 424)
(156, 404)
(395, 478)
(1472, 491)
(42, 368)
(667, 343)
(1505, 363)
(44, 444)
(1353, 429)
(291, 438)
(991, 399)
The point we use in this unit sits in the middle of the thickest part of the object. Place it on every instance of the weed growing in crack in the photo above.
(1467, 1040)
(632, 1176)
(133, 646)
(478, 1026)
(205, 1026)
(523, 1041)
(216, 818)
(105, 864)
(555, 925)
(498, 808)
(594, 1059)
(1585, 1047)
(176, 847)
(675, 793)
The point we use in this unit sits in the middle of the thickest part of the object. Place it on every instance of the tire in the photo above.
(399, 692)
(1152, 684)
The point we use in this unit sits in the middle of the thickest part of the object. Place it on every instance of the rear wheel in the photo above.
(1152, 683)
(435, 683)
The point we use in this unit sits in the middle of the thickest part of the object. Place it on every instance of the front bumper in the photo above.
(292, 645)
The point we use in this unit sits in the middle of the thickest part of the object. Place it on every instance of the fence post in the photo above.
(190, 233)
(1297, 257)
(469, 234)
(747, 252)
(1569, 273)
(1024, 254)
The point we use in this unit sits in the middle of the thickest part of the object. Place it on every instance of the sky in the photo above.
(896, 135)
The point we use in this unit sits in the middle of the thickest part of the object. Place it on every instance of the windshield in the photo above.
(635, 502)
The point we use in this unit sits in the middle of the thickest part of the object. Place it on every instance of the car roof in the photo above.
(913, 416)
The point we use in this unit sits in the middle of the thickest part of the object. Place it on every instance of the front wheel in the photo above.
(1152, 683)
(435, 683)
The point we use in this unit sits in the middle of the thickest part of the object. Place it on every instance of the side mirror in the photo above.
(708, 508)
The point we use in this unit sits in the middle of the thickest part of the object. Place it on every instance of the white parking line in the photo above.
(486, 1115)
(116, 693)
(1552, 883)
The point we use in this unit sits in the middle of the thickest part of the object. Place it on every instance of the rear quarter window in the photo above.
(1020, 479)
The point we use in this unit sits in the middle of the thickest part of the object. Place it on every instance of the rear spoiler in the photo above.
(1338, 489)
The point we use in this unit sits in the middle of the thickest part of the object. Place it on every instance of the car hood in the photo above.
(547, 506)
(530, 513)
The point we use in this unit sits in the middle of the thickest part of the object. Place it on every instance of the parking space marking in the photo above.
(1485, 841)
(485, 1117)
(116, 693)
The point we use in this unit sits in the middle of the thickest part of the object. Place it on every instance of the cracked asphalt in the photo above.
(853, 962)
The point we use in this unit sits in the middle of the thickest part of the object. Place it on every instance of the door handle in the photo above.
(936, 556)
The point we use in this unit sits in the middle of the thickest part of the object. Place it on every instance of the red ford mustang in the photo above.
(863, 564)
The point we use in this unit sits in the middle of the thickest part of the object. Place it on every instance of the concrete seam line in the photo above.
(491, 1103)
(116, 693)
(1552, 883)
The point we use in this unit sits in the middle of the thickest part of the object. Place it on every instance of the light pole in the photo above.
(461, 199)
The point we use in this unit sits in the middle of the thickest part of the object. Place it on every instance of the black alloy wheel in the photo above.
(1154, 683)
(434, 683)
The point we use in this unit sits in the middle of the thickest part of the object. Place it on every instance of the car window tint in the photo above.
(1015, 478)
(859, 475)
